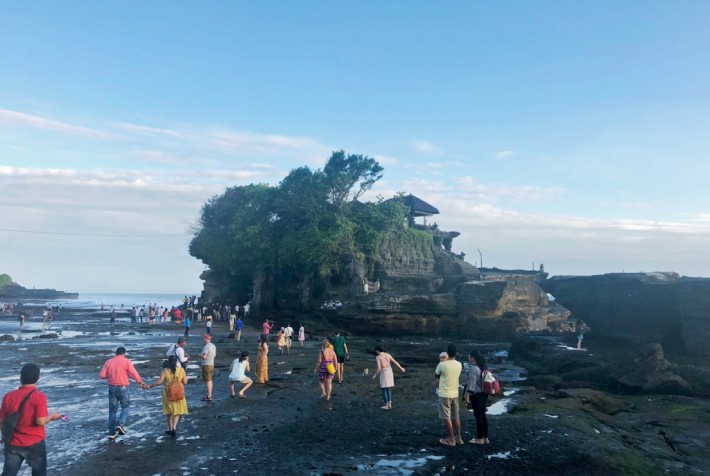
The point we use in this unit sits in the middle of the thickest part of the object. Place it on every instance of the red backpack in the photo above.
(489, 384)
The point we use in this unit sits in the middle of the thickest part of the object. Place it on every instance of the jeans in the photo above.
(35, 455)
(387, 395)
(116, 396)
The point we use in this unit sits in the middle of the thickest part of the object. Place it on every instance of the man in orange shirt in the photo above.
(118, 370)
(27, 443)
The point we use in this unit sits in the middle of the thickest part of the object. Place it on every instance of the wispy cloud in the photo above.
(14, 118)
(425, 147)
(504, 154)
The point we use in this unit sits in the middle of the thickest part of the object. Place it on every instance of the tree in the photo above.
(5, 279)
(280, 238)
(343, 173)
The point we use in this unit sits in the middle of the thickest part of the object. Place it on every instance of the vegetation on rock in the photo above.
(282, 246)
(5, 279)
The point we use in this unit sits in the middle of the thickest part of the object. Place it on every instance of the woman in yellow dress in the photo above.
(262, 361)
(172, 410)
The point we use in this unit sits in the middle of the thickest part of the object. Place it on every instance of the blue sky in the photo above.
(574, 134)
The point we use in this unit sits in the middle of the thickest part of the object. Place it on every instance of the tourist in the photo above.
(237, 374)
(262, 361)
(238, 326)
(23, 316)
(475, 396)
(209, 352)
(27, 443)
(448, 374)
(118, 370)
(208, 325)
(341, 351)
(301, 334)
(266, 327)
(178, 350)
(325, 378)
(288, 333)
(281, 340)
(172, 409)
(188, 323)
(232, 317)
(384, 371)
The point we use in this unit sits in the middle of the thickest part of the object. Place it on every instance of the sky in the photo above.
(574, 134)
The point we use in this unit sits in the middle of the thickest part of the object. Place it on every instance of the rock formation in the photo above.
(641, 308)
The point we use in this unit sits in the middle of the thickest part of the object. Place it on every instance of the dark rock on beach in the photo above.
(572, 415)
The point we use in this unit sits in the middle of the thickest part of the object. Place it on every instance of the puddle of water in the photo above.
(401, 466)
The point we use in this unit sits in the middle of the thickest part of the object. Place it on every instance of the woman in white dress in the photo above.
(384, 371)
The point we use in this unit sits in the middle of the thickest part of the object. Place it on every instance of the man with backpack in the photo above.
(27, 440)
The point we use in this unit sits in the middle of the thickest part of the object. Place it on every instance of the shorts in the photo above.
(207, 371)
(341, 359)
(245, 380)
(448, 408)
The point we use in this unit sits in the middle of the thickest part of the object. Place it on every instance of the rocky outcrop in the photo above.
(649, 372)
(621, 371)
(13, 292)
(496, 308)
(641, 308)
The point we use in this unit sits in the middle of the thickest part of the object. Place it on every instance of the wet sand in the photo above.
(283, 427)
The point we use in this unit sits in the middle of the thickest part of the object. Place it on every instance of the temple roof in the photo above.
(419, 207)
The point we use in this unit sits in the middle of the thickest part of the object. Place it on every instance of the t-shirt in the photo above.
(288, 332)
(179, 352)
(239, 324)
(449, 373)
(266, 328)
(338, 345)
(211, 352)
(238, 371)
(27, 432)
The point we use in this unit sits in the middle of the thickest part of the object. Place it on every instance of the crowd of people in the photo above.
(28, 442)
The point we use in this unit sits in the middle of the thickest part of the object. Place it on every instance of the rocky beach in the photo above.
(564, 411)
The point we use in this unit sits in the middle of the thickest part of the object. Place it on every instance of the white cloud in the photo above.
(504, 154)
(425, 147)
(14, 118)
(385, 160)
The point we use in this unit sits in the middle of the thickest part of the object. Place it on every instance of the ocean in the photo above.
(94, 300)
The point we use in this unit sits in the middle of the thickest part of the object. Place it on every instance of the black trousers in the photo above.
(478, 404)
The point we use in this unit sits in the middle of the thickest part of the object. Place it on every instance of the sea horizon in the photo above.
(94, 300)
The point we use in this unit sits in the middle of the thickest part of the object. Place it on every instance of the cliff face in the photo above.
(424, 289)
(641, 307)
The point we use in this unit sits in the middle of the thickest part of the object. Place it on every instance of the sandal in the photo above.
(241, 395)
(446, 442)
(206, 399)
(232, 396)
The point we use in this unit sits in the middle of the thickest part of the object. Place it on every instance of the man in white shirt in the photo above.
(209, 352)
(288, 333)
(178, 350)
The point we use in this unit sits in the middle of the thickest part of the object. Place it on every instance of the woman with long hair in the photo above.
(325, 379)
(384, 370)
(172, 410)
(237, 373)
(262, 361)
(475, 396)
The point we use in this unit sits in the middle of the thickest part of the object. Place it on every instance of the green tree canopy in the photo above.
(310, 225)
(5, 279)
